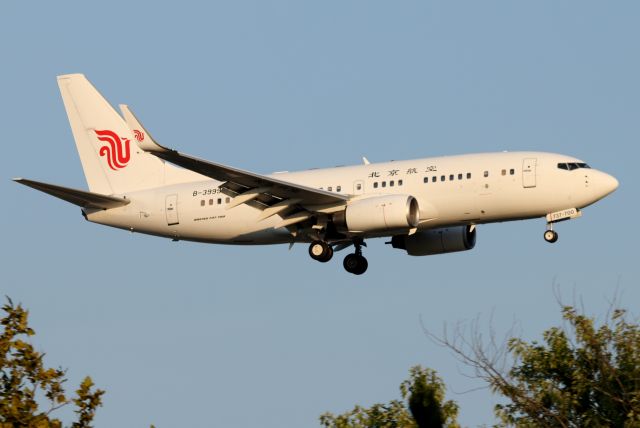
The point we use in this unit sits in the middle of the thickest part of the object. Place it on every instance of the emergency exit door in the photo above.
(529, 172)
(171, 209)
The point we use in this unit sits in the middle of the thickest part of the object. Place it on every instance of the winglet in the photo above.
(144, 140)
(365, 160)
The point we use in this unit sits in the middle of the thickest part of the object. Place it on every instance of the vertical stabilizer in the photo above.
(111, 160)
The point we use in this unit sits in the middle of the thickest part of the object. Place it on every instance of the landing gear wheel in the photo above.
(363, 264)
(355, 264)
(551, 236)
(320, 251)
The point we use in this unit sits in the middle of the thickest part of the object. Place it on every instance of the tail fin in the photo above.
(111, 160)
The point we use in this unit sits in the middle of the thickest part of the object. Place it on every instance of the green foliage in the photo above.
(582, 375)
(391, 415)
(426, 399)
(586, 376)
(24, 380)
(423, 406)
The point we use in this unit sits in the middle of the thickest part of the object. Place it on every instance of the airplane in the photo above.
(425, 206)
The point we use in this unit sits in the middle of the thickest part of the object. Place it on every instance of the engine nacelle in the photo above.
(379, 214)
(437, 241)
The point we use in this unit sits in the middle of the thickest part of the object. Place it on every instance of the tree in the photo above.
(24, 380)
(423, 406)
(426, 399)
(581, 375)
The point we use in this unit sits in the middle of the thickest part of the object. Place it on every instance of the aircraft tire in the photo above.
(320, 251)
(551, 236)
(355, 264)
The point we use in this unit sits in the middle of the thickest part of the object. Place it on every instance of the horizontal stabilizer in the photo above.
(78, 197)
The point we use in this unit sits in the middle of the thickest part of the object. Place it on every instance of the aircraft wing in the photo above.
(246, 180)
(78, 197)
(272, 195)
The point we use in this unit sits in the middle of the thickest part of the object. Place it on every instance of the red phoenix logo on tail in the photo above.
(116, 149)
(138, 134)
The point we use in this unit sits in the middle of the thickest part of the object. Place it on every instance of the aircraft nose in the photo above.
(606, 184)
(609, 183)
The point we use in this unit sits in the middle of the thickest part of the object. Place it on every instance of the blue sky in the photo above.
(183, 334)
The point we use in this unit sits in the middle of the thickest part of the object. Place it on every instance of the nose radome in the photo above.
(605, 184)
(610, 183)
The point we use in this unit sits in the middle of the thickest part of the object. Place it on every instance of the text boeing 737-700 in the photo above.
(426, 206)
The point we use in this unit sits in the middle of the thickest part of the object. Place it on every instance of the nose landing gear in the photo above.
(550, 235)
(567, 214)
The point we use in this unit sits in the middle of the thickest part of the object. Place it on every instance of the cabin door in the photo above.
(529, 172)
(171, 209)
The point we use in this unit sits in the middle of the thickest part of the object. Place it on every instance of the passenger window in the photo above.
(384, 184)
(486, 173)
(399, 182)
(227, 200)
(504, 172)
(468, 176)
(391, 183)
(434, 179)
(425, 180)
(512, 171)
(459, 176)
(210, 201)
(359, 186)
(330, 188)
(219, 201)
(451, 177)
(202, 203)
(443, 178)
(339, 188)
(375, 185)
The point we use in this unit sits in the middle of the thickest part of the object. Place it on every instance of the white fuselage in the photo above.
(451, 190)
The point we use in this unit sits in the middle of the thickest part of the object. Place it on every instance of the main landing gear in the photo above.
(354, 263)
(320, 251)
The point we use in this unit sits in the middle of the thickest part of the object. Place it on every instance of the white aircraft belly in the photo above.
(211, 223)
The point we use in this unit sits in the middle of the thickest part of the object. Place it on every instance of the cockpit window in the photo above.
(570, 166)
